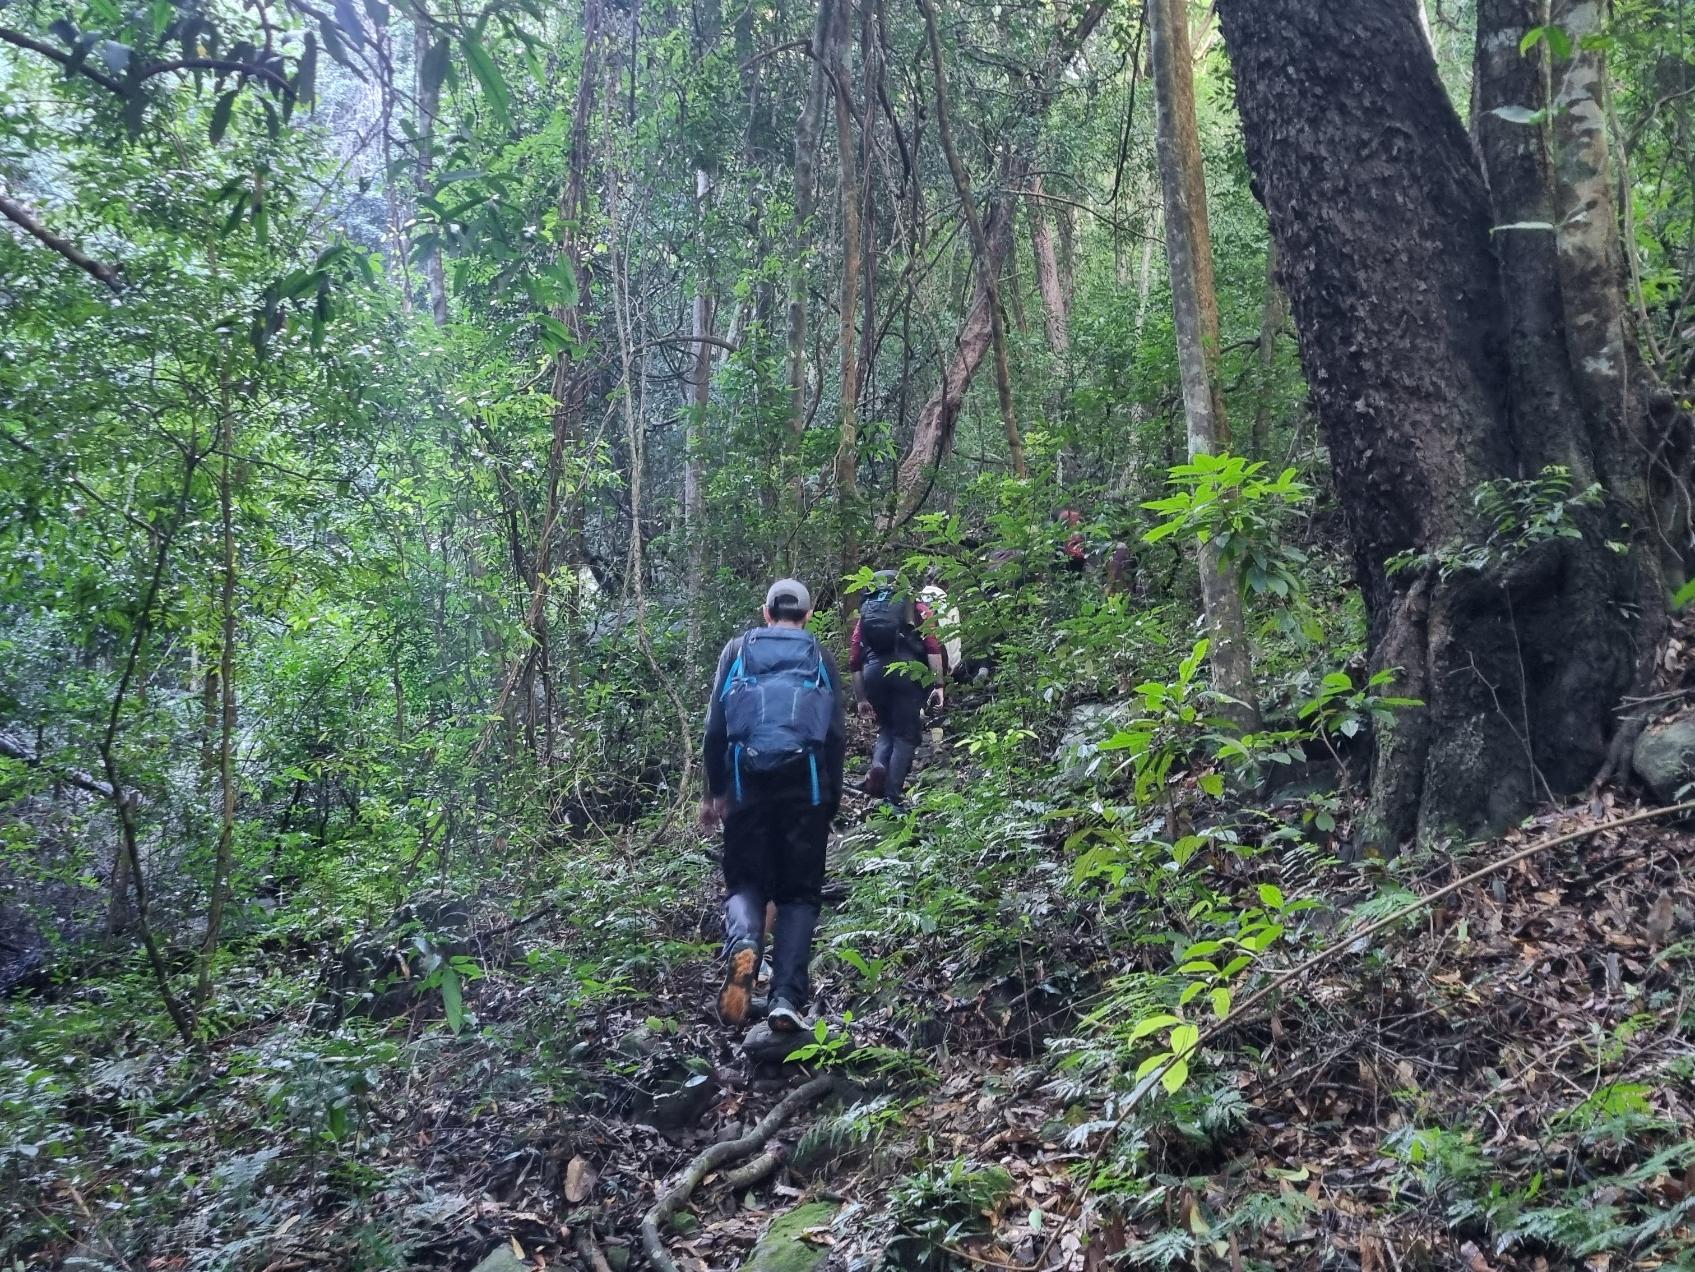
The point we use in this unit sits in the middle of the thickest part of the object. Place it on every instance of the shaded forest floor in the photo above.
(1507, 1082)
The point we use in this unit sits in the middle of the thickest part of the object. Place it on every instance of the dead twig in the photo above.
(588, 1250)
(718, 1155)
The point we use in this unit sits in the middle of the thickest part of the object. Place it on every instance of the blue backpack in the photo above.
(778, 704)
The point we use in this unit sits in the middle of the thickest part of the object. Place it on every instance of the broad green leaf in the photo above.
(1175, 1076)
(221, 115)
(1151, 1063)
(452, 1001)
(1152, 1024)
(492, 81)
(1519, 114)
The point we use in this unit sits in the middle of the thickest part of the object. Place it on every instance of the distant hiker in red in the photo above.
(775, 742)
(891, 630)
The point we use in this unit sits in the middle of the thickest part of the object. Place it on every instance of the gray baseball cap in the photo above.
(788, 587)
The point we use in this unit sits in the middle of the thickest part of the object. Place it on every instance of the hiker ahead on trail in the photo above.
(890, 650)
(775, 742)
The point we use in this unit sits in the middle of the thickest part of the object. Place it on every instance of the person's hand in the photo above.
(866, 711)
(937, 698)
(712, 812)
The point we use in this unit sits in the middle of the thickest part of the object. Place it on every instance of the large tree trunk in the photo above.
(1438, 358)
(1188, 253)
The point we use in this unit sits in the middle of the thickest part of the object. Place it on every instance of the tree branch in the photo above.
(71, 64)
(14, 749)
(18, 215)
(79, 66)
(221, 65)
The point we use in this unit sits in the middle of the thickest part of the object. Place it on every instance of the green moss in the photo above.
(783, 1248)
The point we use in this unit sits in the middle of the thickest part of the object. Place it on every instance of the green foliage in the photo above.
(1223, 500)
(942, 1204)
(1516, 516)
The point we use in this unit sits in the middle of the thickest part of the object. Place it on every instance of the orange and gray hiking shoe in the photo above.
(737, 994)
(785, 1017)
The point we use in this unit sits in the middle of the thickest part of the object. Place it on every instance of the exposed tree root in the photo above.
(718, 1155)
(749, 1175)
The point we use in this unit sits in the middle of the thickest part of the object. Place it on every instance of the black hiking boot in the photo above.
(736, 996)
(785, 1017)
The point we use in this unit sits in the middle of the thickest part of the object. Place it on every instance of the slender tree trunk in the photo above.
(569, 383)
(633, 401)
(987, 273)
(806, 191)
(853, 256)
(383, 45)
(1050, 279)
(1273, 312)
(700, 394)
(932, 434)
(1188, 251)
(124, 803)
(222, 858)
(1444, 364)
(428, 95)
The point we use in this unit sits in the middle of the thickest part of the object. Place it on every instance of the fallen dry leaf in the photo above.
(580, 1179)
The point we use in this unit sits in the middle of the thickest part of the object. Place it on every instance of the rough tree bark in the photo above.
(1188, 253)
(1442, 356)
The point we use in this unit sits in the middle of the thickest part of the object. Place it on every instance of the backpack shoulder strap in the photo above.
(734, 672)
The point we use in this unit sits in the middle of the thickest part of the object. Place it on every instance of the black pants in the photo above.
(774, 851)
(899, 703)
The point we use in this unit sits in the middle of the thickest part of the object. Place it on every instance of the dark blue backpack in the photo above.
(778, 704)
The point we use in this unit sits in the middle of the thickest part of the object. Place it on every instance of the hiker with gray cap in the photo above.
(775, 742)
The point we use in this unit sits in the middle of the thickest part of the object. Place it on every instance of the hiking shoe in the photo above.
(875, 780)
(734, 998)
(784, 1017)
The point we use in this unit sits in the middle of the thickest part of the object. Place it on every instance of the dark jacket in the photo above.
(794, 783)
